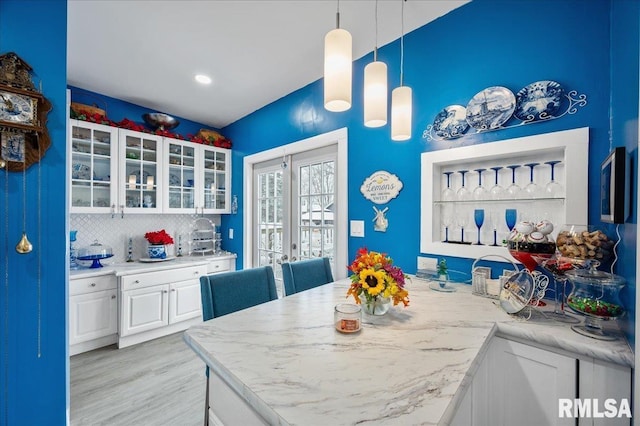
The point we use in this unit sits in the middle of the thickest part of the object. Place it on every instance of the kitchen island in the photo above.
(283, 362)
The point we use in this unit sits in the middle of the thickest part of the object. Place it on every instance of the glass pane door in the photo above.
(141, 171)
(181, 176)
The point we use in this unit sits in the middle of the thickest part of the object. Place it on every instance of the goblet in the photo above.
(478, 216)
(447, 193)
(462, 218)
(493, 223)
(553, 188)
(531, 190)
(447, 220)
(511, 216)
(514, 189)
(463, 193)
(480, 192)
(496, 191)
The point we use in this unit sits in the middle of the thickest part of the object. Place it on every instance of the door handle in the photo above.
(283, 258)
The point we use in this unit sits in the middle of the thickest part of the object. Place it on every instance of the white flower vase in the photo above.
(157, 251)
(377, 306)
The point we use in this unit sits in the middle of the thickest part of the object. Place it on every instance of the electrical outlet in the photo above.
(427, 263)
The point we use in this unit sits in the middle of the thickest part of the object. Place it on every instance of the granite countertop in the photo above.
(291, 365)
(128, 268)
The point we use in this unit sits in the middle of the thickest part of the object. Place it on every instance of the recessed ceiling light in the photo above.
(203, 79)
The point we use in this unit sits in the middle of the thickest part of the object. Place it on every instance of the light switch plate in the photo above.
(357, 228)
(231, 233)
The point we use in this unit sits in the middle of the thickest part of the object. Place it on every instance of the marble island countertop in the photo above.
(410, 366)
(136, 267)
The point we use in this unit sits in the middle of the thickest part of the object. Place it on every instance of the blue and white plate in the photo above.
(538, 101)
(80, 171)
(174, 180)
(491, 108)
(451, 122)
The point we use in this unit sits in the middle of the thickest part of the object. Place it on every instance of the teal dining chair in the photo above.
(229, 292)
(305, 274)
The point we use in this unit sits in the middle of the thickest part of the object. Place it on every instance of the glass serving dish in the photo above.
(95, 252)
(596, 295)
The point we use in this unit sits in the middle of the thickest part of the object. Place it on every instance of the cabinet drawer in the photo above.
(221, 265)
(162, 277)
(92, 284)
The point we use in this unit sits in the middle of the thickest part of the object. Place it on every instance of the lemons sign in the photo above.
(381, 187)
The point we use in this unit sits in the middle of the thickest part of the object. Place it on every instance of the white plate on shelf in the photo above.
(149, 260)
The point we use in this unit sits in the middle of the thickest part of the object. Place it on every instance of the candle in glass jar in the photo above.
(347, 317)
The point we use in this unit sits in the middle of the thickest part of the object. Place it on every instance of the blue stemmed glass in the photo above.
(513, 190)
(496, 191)
(553, 188)
(463, 192)
(531, 189)
(447, 193)
(480, 192)
(511, 216)
(478, 216)
(493, 222)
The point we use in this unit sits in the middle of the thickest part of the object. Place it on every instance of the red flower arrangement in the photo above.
(158, 237)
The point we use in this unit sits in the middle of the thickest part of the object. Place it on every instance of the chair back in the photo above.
(233, 291)
(305, 274)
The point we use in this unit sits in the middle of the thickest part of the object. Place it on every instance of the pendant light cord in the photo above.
(338, 15)
(375, 48)
(402, 43)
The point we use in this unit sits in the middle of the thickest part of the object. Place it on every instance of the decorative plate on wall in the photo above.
(491, 108)
(451, 122)
(538, 101)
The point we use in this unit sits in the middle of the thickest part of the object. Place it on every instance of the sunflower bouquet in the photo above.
(375, 278)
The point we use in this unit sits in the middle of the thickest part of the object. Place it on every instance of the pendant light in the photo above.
(401, 108)
(375, 88)
(337, 68)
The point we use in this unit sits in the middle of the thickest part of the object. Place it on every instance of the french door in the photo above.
(295, 209)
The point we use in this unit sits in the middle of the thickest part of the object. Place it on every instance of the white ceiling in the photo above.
(147, 52)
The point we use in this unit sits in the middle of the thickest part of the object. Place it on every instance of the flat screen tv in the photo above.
(613, 179)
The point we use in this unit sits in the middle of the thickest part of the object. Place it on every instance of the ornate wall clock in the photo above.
(23, 115)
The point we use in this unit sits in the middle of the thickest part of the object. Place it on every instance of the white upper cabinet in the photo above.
(94, 174)
(140, 172)
(122, 171)
(197, 178)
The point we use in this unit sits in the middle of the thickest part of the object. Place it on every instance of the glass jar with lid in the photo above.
(596, 295)
(347, 317)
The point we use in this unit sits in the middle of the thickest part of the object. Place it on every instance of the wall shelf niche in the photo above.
(569, 147)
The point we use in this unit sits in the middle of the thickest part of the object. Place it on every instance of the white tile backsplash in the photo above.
(115, 232)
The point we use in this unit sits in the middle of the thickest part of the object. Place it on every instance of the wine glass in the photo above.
(531, 190)
(480, 192)
(478, 216)
(496, 191)
(513, 190)
(462, 218)
(463, 193)
(511, 216)
(447, 193)
(493, 223)
(447, 220)
(553, 188)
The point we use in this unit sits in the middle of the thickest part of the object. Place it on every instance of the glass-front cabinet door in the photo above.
(181, 181)
(140, 173)
(216, 174)
(94, 183)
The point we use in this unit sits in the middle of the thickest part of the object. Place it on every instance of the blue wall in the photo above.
(37, 390)
(484, 43)
(625, 43)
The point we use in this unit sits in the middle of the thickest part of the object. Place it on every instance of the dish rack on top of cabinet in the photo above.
(203, 234)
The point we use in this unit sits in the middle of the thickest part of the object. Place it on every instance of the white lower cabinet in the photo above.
(155, 304)
(520, 384)
(93, 313)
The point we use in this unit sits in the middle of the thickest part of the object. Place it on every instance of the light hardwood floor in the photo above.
(160, 382)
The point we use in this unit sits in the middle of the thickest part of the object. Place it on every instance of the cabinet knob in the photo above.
(196, 273)
(173, 289)
(217, 266)
(92, 284)
(136, 282)
(165, 291)
(113, 296)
